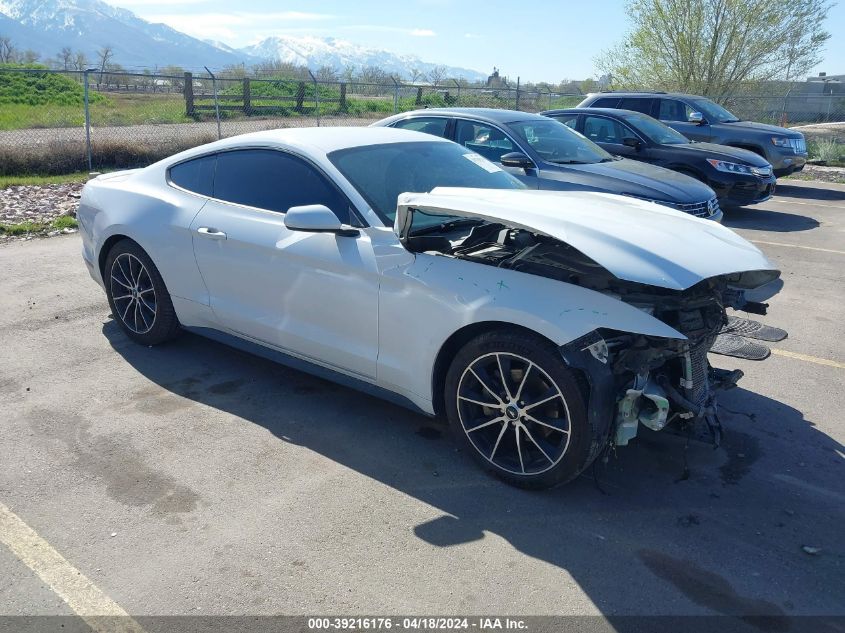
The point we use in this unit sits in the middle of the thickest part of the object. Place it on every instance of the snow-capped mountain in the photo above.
(338, 54)
(46, 26)
(86, 25)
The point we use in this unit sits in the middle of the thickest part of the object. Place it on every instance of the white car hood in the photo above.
(635, 240)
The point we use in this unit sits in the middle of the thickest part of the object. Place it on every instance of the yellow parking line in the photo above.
(809, 359)
(809, 248)
(809, 204)
(99, 611)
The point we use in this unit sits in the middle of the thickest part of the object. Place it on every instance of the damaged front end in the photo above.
(680, 271)
(635, 379)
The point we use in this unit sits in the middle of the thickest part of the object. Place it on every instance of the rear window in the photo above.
(429, 125)
(196, 175)
(636, 104)
(605, 102)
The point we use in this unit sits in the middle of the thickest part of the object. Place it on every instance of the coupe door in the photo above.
(314, 295)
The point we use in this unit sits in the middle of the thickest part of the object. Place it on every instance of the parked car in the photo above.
(545, 154)
(699, 119)
(544, 325)
(738, 176)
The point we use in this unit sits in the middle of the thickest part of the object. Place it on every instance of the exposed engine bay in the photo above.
(653, 381)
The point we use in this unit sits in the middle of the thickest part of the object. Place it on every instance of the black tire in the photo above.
(144, 310)
(556, 436)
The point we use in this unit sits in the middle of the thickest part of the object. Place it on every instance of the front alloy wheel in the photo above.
(513, 413)
(519, 410)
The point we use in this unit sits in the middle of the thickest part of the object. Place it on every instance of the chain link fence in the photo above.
(63, 121)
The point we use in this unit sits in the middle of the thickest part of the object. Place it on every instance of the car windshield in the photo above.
(558, 143)
(714, 112)
(381, 172)
(655, 130)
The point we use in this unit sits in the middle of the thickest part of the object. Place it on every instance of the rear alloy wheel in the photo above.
(519, 410)
(137, 295)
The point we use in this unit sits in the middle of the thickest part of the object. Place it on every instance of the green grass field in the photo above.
(35, 179)
(23, 228)
(118, 109)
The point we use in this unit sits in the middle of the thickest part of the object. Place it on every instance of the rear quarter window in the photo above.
(195, 175)
(637, 104)
(605, 102)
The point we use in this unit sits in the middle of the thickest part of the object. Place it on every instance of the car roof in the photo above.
(617, 112)
(491, 115)
(316, 139)
(614, 93)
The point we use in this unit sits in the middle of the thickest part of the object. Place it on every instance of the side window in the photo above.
(672, 110)
(429, 125)
(636, 104)
(483, 139)
(196, 175)
(275, 181)
(604, 102)
(601, 130)
(569, 120)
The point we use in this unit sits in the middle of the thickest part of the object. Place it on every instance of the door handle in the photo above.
(211, 233)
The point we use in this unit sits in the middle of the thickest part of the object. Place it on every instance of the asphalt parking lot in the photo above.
(192, 479)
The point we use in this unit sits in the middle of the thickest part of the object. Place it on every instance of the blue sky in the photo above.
(549, 41)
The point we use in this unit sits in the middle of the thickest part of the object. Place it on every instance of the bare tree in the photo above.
(373, 75)
(7, 50)
(348, 73)
(415, 75)
(28, 56)
(80, 62)
(280, 69)
(65, 58)
(326, 73)
(713, 47)
(437, 75)
(104, 55)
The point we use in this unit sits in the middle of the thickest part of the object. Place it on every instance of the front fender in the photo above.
(422, 304)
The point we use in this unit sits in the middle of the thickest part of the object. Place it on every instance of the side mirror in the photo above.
(316, 218)
(696, 117)
(630, 141)
(517, 159)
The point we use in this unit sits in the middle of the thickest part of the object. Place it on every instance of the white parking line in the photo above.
(99, 611)
(808, 248)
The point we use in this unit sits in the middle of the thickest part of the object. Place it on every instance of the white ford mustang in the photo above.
(545, 326)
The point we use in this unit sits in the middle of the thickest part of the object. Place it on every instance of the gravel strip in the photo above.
(820, 173)
(39, 204)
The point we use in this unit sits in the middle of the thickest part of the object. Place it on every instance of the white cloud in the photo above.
(235, 27)
(423, 33)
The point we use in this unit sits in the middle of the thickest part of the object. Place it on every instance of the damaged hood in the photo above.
(634, 240)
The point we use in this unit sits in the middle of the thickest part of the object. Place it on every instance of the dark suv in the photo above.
(699, 119)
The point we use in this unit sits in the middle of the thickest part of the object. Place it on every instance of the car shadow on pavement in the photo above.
(764, 220)
(642, 534)
(815, 194)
